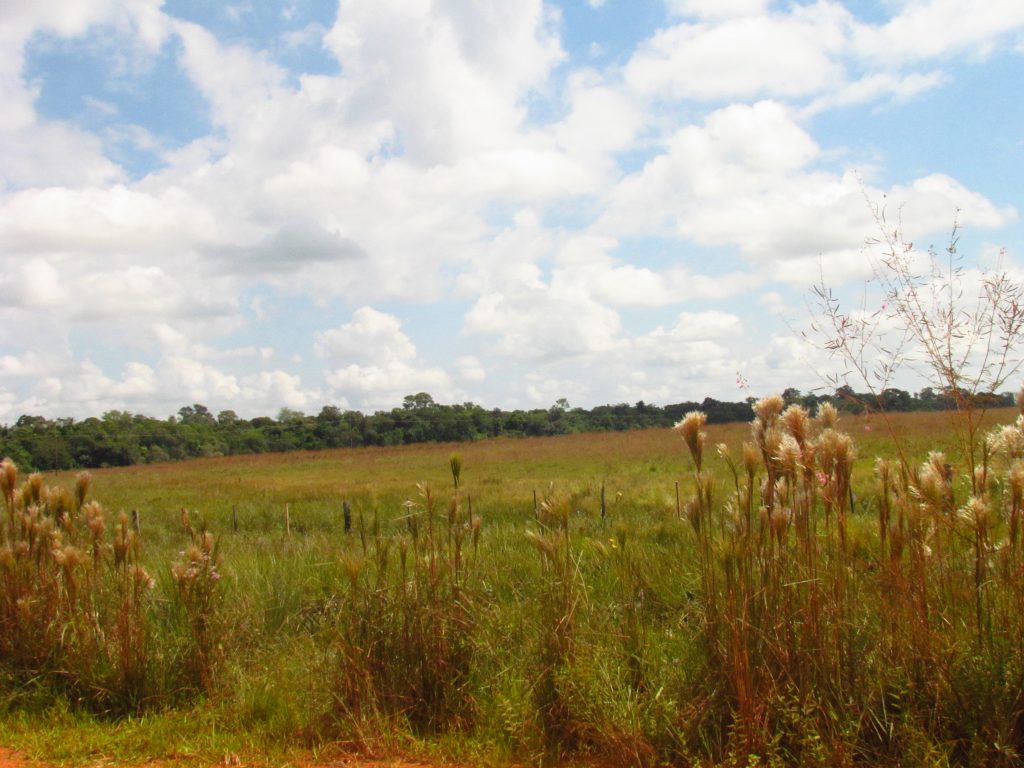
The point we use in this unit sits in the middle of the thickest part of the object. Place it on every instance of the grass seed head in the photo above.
(1008, 440)
(690, 428)
(455, 463)
(883, 472)
(751, 458)
(475, 525)
(797, 423)
(36, 490)
(8, 479)
(779, 520)
(789, 455)
(82, 482)
(976, 513)
(768, 409)
(353, 566)
(835, 452)
(143, 581)
(937, 464)
(933, 483)
(95, 519)
(692, 511)
(981, 476)
(783, 491)
(770, 440)
(1017, 480)
(827, 416)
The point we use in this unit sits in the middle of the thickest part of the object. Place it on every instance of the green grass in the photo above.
(636, 637)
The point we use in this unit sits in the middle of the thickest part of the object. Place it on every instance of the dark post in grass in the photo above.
(135, 520)
(346, 510)
(234, 518)
(602, 500)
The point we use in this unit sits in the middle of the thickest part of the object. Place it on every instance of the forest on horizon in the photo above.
(120, 438)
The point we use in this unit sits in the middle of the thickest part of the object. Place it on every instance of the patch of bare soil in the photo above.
(11, 759)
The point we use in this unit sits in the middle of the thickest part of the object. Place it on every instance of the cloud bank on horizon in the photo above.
(264, 205)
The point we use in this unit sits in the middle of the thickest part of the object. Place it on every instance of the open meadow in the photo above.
(636, 598)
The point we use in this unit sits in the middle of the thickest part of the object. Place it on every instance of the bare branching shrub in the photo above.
(959, 327)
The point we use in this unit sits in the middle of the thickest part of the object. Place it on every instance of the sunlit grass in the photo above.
(650, 627)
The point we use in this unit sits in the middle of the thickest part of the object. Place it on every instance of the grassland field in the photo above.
(594, 638)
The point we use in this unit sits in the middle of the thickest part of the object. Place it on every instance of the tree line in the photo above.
(119, 438)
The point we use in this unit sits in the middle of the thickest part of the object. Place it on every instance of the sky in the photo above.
(263, 205)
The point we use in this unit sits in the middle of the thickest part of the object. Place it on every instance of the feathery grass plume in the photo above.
(475, 525)
(8, 484)
(768, 437)
(690, 428)
(779, 520)
(1008, 440)
(770, 440)
(789, 456)
(836, 455)
(455, 463)
(724, 453)
(83, 480)
(751, 459)
(934, 484)
(1016, 481)
(126, 542)
(835, 452)
(96, 520)
(976, 514)
(797, 423)
(61, 505)
(196, 579)
(768, 409)
(827, 416)
(352, 564)
(35, 489)
(983, 481)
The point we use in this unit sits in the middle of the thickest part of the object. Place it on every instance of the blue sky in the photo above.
(259, 205)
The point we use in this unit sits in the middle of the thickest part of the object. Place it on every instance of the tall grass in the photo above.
(813, 602)
(407, 619)
(840, 645)
(73, 600)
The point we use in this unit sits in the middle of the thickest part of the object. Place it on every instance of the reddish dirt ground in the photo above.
(9, 759)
